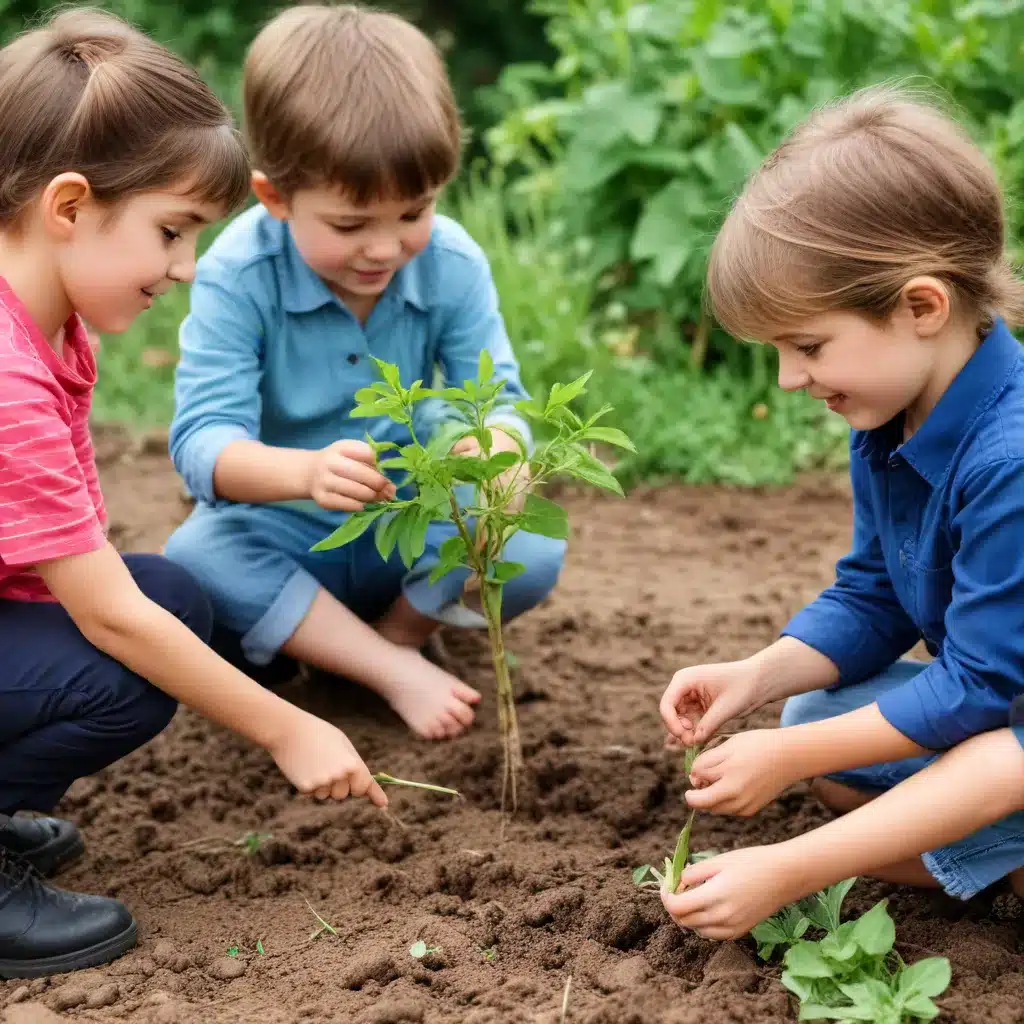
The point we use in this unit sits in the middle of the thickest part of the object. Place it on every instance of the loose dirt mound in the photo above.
(665, 579)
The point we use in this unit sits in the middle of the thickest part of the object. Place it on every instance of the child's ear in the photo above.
(276, 204)
(926, 299)
(61, 202)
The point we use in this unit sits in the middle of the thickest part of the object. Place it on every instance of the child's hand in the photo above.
(742, 775)
(515, 479)
(725, 896)
(344, 477)
(700, 700)
(319, 760)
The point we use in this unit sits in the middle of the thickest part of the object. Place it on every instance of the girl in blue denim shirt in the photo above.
(869, 252)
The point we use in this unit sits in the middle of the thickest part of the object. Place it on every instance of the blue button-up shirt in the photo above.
(269, 353)
(938, 553)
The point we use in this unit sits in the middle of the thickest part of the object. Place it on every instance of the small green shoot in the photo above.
(670, 876)
(504, 485)
(419, 949)
(824, 909)
(781, 929)
(252, 841)
(490, 955)
(323, 928)
(259, 948)
(233, 949)
(389, 780)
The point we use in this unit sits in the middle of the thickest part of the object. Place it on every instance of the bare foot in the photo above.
(432, 702)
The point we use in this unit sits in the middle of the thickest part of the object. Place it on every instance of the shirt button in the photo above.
(353, 358)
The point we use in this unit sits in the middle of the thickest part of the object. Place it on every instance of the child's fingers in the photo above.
(685, 903)
(708, 797)
(710, 759)
(700, 872)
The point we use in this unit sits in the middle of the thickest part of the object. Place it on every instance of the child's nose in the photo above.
(182, 271)
(383, 250)
(792, 375)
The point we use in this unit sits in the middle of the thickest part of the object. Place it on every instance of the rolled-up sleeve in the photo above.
(217, 383)
(970, 687)
(858, 623)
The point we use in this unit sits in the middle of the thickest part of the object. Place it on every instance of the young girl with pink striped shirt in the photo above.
(113, 156)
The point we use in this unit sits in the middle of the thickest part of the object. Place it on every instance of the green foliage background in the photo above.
(607, 139)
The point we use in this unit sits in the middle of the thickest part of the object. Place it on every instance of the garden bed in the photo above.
(667, 578)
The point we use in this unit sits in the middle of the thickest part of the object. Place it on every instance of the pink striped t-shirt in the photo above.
(50, 500)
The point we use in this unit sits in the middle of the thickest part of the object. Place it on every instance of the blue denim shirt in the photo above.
(938, 553)
(269, 353)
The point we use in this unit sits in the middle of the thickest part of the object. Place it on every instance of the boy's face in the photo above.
(867, 372)
(357, 249)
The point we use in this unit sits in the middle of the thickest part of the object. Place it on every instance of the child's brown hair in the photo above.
(89, 93)
(350, 97)
(867, 193)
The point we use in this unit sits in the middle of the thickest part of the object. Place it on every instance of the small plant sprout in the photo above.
(504, 498)
(490, 955)
(233, 949)
(670, 876)
(259, 948)
(251, 842)
(323, 926)
(389, 780)
(419, 949)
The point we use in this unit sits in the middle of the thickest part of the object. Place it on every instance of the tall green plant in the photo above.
(498, 478)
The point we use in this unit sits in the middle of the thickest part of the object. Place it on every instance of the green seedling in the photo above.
(670, 876)
(389, 780)
(252, 841)
(504, 498)
(419, 949)
(853, 974)
(323, 926)
(821, 910)
(490, 955)
(233, 949)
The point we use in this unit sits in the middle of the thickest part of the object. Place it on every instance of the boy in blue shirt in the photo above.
(353, 131)
(869, 252)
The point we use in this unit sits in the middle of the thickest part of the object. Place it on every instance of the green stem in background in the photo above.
(699, 348)
(389, 780)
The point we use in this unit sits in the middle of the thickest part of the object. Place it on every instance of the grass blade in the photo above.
(389, 780)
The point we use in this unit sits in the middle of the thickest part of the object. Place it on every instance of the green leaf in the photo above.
(804, 960)
(590, 468)
(748, 155)
(389, 372)
(355, 526)
(412, 535)
(418, 950)
(609, 435)
(666, 230)
(387, 535)
(544, 517)
(233, 950)
(875, 932)
(259, 947)
(929, 977)
(502, 572)
(467, 468)
(499, 462)
(486, 368)
(446, 437)
(563, 394)
(451, 555)
(640, 874)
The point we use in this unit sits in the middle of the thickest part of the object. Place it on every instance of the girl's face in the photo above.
(867, 372)
(118, 258)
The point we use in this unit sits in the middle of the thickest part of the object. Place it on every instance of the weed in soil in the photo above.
(504, 483)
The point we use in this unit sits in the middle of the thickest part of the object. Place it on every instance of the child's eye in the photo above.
(346, 229)
(411, 218)
(811, 350)
(170, 234)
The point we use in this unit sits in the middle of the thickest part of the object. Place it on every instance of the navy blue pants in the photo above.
(66, 709)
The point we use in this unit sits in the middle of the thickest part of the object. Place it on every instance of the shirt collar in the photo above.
(305, 291)
(973, 391)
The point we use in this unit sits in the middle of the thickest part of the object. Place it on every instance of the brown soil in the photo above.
(668, 578)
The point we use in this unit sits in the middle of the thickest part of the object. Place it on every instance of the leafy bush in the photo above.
(654, 113)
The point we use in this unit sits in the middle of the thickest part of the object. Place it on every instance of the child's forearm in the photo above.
(788, 667)
(159, 647)
(253, 473)
(975, 784)
(854, 740)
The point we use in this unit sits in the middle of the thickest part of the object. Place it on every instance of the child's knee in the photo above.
(543, 558)
(804, 708)
(173, 587)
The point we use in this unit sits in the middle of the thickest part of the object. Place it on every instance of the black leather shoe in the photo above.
(45, 930)
(48, 844)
